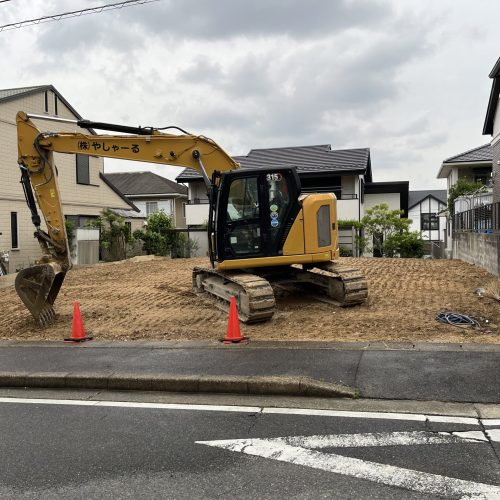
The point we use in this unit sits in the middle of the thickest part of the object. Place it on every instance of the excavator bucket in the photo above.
(38, 287)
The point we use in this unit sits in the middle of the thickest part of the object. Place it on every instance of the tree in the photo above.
(390, 233)
(114, 235)
(406, 244)
(380, 223)
(160, 237)
(462, 187)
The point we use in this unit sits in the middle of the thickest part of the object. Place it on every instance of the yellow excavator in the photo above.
(262, 231)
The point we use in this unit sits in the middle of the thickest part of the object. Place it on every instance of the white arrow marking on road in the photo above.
(297, 450)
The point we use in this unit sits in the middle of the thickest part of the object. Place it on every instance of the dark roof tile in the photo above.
(144, 183)
(416, 197)
(307, 159)
(481, 153)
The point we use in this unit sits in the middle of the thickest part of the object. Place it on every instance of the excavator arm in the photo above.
(39, 285)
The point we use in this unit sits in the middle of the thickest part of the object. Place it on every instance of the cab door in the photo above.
(239, 217)
(255, 211)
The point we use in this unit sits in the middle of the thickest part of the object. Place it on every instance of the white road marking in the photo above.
(254, 409)
(132, 404)
(493, 434)
(284, 450)
(491, 421)
(373, 439)
(375, 415)
(472, 435)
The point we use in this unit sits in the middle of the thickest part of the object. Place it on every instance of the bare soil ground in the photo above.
(153, 300)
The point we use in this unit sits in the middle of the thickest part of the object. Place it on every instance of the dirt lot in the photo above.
(153, 300)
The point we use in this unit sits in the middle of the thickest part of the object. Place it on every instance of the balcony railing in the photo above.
(483, 219)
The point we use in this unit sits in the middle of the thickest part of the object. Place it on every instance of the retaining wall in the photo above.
(479, 249)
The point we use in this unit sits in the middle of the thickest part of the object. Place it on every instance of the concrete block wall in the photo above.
(480, 249)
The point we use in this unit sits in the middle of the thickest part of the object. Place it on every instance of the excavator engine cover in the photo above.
(38, 287)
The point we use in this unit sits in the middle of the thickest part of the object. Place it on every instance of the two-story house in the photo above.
(151, 193)
(427, 211)
(345, 172)
(84, 190)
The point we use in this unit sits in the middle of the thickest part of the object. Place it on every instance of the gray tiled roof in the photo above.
(11, 94)
(416, 197)
(144, 183)
(481, 153)
(21, 90)
(307, 160)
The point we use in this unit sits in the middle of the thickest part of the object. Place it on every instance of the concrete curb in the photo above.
(228, 384)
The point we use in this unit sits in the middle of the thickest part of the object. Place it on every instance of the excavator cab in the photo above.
(255, 211)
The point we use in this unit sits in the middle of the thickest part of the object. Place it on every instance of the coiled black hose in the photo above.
(456, 319)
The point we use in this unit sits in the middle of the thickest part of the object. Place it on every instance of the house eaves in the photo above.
(16, 93)
(430, 196)
(445, 169)
(118, 192)
(493, 100)
(158, 196)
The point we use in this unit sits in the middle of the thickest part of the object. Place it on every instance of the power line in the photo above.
(75, 13)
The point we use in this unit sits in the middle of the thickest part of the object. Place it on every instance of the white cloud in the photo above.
(407, 79)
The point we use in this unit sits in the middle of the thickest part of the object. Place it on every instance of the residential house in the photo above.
(475, 226)
(347, 173)
(427, 211)
(84, 190)
(151, 193)
(492, 127)
(474, 165)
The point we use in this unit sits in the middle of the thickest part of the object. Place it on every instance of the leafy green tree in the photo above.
(160, 237)
(462, 187)
(406, 244)
(380, 223)
(114, 235)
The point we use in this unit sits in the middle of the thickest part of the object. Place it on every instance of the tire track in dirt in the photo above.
(153, 300)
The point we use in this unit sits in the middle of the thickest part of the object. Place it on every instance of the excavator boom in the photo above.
(263, 232)
(39, 285)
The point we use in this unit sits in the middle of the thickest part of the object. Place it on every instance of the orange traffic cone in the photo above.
(77, 331)
(233, 334)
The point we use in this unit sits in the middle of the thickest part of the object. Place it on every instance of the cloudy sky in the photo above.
(408, 79)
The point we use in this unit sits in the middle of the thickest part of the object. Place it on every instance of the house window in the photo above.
(55, 104)
(184, 209)
(82, 169)
(429, 222)
(151, 207)
(128, 225)
(46, 101)
(13, 231)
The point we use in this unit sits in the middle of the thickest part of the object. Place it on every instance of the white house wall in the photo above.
(392, 199)
(348, 209)
(429, 205)
(165, 205)
(197, 214)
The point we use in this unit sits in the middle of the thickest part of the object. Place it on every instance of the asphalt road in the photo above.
(80, 449)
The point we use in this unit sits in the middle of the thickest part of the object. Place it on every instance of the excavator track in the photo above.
(254, 295)
(329, 282)
(348, 285)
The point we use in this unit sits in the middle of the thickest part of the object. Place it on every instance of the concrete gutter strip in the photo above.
(285, 386)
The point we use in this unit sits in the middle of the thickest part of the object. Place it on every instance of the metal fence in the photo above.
(484, 219)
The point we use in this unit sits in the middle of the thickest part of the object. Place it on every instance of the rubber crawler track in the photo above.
(254, 295)
(355, 287)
